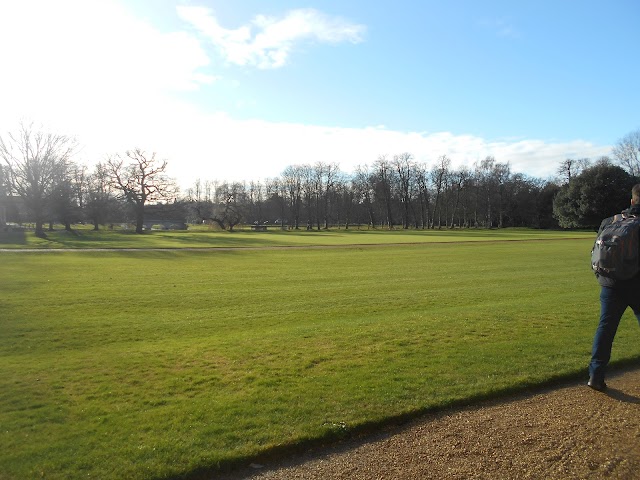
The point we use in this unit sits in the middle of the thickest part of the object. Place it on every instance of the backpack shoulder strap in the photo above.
(624, 216)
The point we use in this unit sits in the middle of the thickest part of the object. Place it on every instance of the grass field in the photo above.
(168, 364)
(200, 237)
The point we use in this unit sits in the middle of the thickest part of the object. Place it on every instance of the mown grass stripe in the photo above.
(157, 364)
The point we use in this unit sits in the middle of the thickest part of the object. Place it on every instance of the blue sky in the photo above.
(238, 90)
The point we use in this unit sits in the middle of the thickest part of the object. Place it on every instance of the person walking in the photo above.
(615, 296)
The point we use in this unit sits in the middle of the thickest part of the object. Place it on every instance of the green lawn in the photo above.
(199, 237)
(158, 364)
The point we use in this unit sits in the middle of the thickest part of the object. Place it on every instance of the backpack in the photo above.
(616, 251)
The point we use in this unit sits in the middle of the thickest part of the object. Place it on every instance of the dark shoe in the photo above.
(598, 385)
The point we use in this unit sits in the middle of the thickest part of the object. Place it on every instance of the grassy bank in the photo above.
(158, 364)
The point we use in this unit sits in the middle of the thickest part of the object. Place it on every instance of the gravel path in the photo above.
(565, 432)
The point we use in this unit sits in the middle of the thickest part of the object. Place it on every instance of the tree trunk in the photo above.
(389, 214)
(40, 229)
(140, 218)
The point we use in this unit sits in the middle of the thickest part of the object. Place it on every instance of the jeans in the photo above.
(613, 302)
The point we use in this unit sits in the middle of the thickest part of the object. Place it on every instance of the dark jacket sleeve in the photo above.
(604, 223)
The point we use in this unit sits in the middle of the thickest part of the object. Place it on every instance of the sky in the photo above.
(233, 90)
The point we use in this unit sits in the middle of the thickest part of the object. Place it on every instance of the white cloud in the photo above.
(225, 149)
(275, 38)
(92, 70)
(90, 62)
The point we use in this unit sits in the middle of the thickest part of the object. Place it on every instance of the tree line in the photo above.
(392, 192)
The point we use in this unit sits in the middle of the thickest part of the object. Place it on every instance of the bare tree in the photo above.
(501, 175)
(627, 152)
(100, 204)
(324, 179)
(308, 192)
(275, 203)
(439, 175)
(570, 168)
(344, 195)
(292, 178)
(64, 204)
(140, 181)
(315, 187)
(424, 197)
(485, 184)
(363, 185)
(256, 200)
(459, 180)
(385, 183)
(404, 166)
(33, 160)
(195, 193)
(199, 202)
(228, 205)
(3, 195)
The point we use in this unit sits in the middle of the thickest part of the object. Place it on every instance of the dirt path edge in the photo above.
(561, 430)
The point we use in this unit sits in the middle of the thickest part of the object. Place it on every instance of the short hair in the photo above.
(635, 194)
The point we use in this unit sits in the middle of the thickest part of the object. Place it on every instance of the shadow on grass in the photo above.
(238, 468)
(165, 240)
(13, 238)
